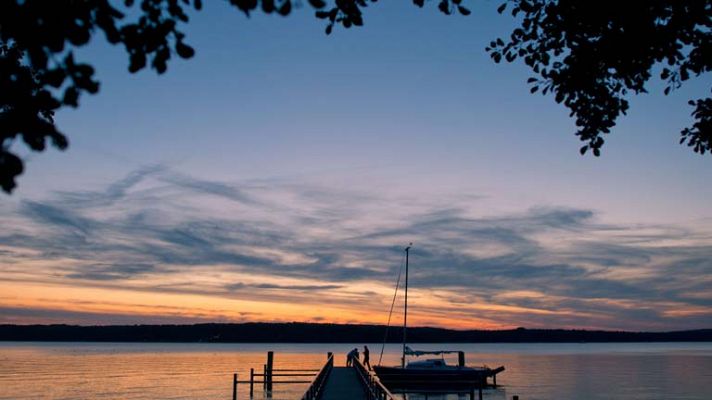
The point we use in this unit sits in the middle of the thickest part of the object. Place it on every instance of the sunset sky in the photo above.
(278, 175)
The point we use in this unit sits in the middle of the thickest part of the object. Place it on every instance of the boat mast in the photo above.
(405, 313)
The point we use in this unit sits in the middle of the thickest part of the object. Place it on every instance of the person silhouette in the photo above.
(366, 357)
(350, 357)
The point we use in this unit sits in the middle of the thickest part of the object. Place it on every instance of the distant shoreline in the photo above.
(298, 332)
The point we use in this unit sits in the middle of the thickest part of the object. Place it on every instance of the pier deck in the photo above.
(343, 384)
(354, 382)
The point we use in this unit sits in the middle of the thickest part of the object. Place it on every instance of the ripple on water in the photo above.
(204, 371)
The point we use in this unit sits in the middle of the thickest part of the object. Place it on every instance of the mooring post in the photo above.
(270, 365)
(472, 393)
(494, 380)
(264, 376)
(480, 391)
(461, 358)
(234, 386)
(252, 382)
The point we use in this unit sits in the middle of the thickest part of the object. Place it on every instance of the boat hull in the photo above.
(454, 378)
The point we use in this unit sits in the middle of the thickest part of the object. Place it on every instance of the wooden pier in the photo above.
(335, 382)
(343, 384)
(346, 383)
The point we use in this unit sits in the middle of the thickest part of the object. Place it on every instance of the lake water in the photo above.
(625, 371)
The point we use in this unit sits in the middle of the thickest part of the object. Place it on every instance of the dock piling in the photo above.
(234, 386)
(270, 367)
(252, 382)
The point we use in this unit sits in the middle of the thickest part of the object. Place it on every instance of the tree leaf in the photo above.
(317, 3)
(285, 9)
(184, 51)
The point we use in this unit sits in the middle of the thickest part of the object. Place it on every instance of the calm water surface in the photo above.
(630, 371)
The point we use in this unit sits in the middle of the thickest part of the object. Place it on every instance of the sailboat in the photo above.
(431, 373)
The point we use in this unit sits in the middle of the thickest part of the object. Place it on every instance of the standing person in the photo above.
(366, 357)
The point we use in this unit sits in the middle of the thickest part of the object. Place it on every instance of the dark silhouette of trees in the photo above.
(299, 332)
(591, 54)
(588, 54)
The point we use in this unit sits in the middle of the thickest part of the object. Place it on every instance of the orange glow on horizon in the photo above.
(147, 306)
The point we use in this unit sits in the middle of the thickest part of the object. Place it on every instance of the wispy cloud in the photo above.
(111, 271)
(241, 285)
(160, 231)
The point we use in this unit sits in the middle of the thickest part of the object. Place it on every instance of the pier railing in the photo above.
(268, 374)
(316, 387)
(374, 388)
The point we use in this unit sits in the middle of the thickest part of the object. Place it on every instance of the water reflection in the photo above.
(204, 371)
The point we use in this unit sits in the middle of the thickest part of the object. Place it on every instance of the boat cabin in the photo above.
(434, 363)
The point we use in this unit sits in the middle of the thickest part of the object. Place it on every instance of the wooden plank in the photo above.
(280, 382)
(343, 384)
(295, 370)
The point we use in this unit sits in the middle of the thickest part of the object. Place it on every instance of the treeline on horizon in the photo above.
(325, 333)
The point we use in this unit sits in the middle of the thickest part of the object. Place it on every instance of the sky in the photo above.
(279, 174)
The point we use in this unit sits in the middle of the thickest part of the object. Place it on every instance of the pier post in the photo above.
(370, 387)
(494, 380)
(480, 391)
(264, 376)
(461, 358)
(270, 365)
(515, 397)
(472, 393)
(234, 386)
(252, 382)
